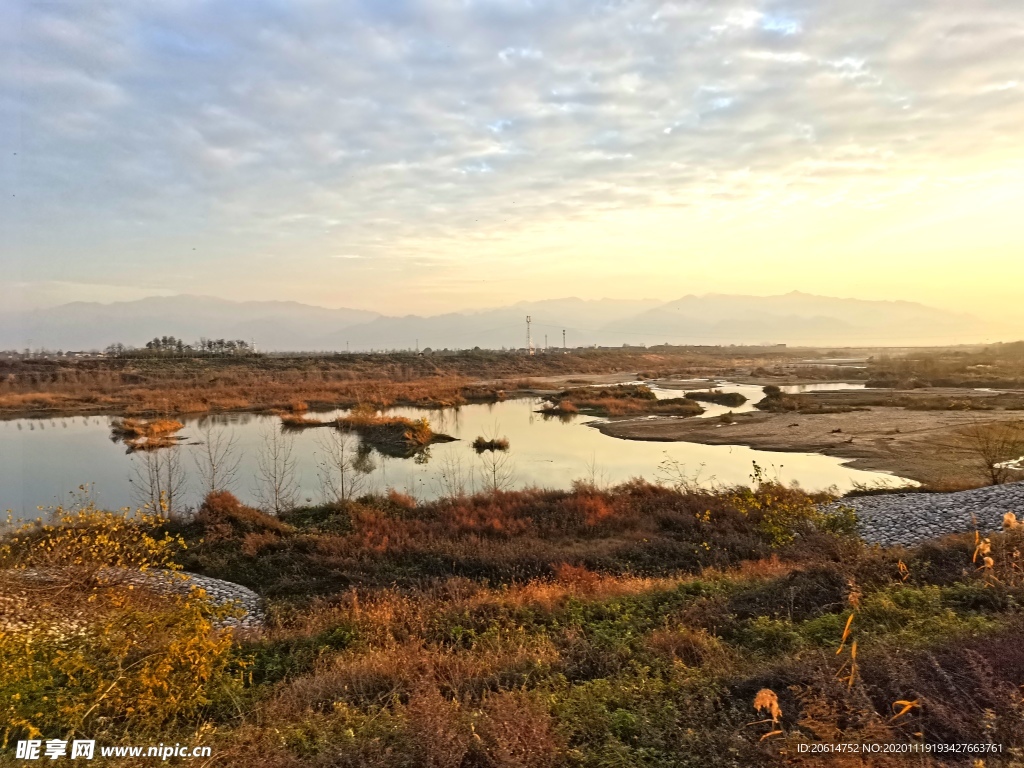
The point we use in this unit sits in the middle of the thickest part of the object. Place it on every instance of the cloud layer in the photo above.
(148, 143)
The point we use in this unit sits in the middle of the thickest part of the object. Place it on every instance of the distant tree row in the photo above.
(171, 346)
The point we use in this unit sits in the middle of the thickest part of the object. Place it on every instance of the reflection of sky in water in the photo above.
(824, 386)
(43, 460)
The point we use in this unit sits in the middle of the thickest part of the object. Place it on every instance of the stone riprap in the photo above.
(227, 591)
(219, 592)
(911, 518)
(21, 611)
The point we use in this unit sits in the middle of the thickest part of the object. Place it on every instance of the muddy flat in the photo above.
(922, 445)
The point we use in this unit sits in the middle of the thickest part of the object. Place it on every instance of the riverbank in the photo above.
(926, 446)
(535, 628)
(168, 385)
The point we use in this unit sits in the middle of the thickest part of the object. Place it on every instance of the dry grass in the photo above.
(297, 421)
(622, 400)
(148, 386)
(146, 435)
(382, 430)
(592, 627)
(136, 428)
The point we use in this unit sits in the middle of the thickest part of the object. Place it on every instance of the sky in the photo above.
(421, 157)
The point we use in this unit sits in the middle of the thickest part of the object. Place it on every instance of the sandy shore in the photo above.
(921, 445)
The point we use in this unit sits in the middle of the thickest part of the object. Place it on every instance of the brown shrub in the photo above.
(403, 500)
(581, 580)
(142, 435)
(692, 647)
(517, 731)
(439, 729)
(223, 516)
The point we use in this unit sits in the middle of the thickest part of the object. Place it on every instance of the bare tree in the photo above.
(276, 486)
(342, 468)
(217, 460)
(497, 472)
(594, 479)
(159, 481)
(451, 477)
(995, 448)
(671, 473)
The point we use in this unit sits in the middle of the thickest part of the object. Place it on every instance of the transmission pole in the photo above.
(529, 335)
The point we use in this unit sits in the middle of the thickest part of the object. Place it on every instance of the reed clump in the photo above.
(146, 434)
(481, 444)
(139, 428)
(389, 433)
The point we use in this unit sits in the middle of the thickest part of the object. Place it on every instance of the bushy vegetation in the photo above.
(160, 384)
(481, 444)
(730, 399)
(84, 652)
(621, 400)
(637, 626)
(996, 365)
(394, 435)
(391, 435)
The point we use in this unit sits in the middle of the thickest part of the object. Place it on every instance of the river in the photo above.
(43, 462)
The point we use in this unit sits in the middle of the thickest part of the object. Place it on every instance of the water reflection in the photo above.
(42, 467)
(821, 386)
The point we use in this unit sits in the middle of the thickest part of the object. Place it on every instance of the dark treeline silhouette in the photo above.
(169, 346)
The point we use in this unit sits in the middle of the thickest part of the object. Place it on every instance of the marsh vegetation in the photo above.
(589, 627)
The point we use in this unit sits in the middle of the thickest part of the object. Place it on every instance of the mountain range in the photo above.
(794, 318)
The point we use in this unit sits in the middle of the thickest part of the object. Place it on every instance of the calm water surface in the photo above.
(43, 461)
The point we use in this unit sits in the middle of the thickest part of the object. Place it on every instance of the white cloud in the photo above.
(510, 54)
(141, 127)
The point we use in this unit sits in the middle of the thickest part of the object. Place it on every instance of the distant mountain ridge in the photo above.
(794, 318)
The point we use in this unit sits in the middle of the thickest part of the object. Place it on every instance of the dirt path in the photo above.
(921, 445)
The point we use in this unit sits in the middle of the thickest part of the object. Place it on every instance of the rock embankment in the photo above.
(22, 611)
(219, 592)
(911, 518)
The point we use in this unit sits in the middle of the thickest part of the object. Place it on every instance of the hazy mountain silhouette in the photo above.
(90, 325)
(797, 318)
(793, 318)
(494, 328)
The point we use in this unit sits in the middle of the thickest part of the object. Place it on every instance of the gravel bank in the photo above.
(910, 518)
(20, 609)
(220, 593)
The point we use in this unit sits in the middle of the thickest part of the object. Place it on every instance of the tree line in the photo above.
(171, 346)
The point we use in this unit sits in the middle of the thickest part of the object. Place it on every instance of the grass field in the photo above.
(168, 386)
(637, 625)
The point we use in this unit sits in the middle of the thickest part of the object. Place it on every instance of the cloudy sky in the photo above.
(408, 156)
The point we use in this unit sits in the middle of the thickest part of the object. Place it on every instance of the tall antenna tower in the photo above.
(563, 339)
(529, 335)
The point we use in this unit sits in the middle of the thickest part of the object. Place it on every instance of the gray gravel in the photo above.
(910, 518)
(21, 611)
(227, 591)
(220, 593)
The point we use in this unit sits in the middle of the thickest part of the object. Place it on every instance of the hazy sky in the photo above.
(422, 156)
